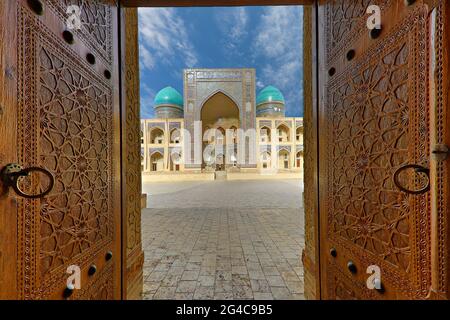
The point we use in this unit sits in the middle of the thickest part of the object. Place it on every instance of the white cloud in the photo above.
(279, 31)
(232, 22)
(284, 73)
(260, 84)
(147, 111)
(146, 58)
(163, 38)
(147, 97)
(279, 39)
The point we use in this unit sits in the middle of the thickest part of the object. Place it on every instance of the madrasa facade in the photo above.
(216, 105)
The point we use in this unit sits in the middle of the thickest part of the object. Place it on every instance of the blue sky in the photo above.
(268, 39)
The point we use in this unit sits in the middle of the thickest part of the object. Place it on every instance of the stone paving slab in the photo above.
(196, 251)
(220, 194)
(228, 252)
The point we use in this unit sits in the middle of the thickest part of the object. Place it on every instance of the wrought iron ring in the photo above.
(12, 173)
(418, 169)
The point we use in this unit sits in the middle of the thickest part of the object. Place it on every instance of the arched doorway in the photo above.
(283, 159)
(264, 134)
(299, 135)
(219, 112)
(220, 162)
(283, 133)
(175, 161)
(299, 160)
(156, 136)
(156, 162)
(175, 136)
(265, 160)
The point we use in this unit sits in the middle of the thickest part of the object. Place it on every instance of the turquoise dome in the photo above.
(168, 95)
(269, 94)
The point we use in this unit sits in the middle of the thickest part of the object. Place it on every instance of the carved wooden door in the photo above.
(60, 112)
(375, 139)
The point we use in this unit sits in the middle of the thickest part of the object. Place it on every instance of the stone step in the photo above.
(221, 175)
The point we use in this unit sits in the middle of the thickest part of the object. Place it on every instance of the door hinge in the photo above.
(441, 152)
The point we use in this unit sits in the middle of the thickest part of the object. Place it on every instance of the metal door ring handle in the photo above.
(11, 177)
(418, 169)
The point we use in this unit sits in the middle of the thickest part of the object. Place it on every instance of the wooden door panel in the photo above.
(67, 113)
(374, 119)
(342, 286)
(344, 21)
(96, 31)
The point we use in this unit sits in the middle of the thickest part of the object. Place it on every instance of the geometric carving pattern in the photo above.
(101, 289)
(96, 24)
(345, 20)
(441, 125)
(131, 144)
(75, 141)
(342, 287)
(377, 121)
(65, 124)
(132, 134)
(310, 193)
(370, 130)
(344, 17)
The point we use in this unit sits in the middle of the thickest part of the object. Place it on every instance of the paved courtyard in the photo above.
(223, 240)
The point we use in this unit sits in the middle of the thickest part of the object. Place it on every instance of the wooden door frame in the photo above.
(440, 83)
(132, 253)
(24, 274)
(212, 3)
(133, 260)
